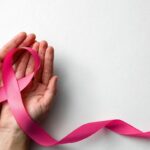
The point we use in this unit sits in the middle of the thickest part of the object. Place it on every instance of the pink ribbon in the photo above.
(11, 92)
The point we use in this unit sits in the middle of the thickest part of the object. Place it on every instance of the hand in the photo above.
(38, 95)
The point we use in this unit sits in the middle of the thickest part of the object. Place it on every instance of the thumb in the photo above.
(50, 91)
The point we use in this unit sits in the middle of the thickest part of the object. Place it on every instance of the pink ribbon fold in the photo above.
(10, 92)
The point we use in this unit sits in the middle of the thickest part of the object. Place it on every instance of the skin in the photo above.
(37, 96)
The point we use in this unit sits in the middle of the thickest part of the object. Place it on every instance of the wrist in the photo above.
(13, 139)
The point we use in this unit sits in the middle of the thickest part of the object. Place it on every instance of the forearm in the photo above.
(13, 140)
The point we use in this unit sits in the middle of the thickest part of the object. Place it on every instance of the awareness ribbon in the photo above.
(11, 92)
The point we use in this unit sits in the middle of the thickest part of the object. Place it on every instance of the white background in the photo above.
(102, 57)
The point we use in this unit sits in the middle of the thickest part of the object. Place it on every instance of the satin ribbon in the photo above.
(10, 92)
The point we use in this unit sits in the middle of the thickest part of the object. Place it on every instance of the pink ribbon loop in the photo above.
(11, 92)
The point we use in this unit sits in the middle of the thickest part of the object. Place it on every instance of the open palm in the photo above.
(38, 95)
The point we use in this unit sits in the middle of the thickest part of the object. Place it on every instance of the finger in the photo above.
(30, 66)
(41, 53)
(22, 65)
(48, 65)
(50, 92)
(30, 39)
(15, 42)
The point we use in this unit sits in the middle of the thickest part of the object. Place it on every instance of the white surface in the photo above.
(102, 56)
